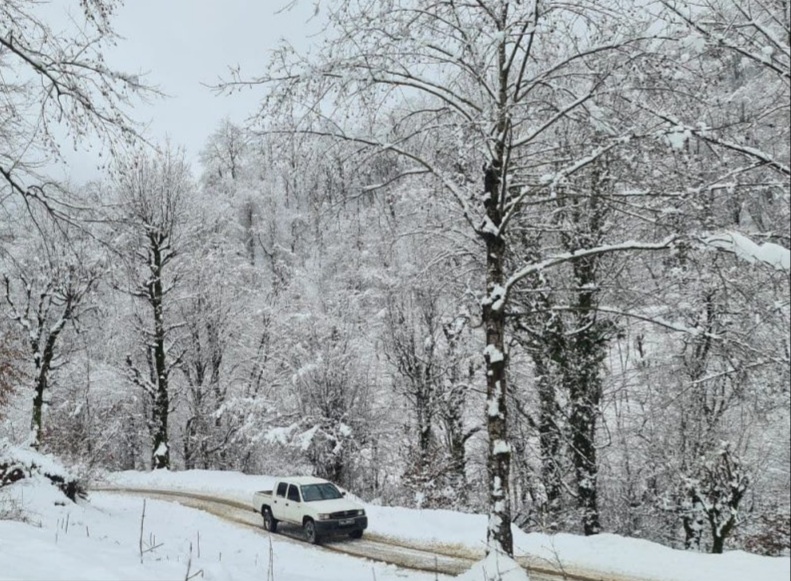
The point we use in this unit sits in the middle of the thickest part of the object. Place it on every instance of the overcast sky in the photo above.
(181, 44)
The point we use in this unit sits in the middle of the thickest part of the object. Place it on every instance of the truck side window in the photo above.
(293, 493)
(281, 489)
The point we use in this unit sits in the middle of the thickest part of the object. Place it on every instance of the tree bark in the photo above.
(43, 363)
(549, 439)
(160, 454)
(584, 385)
(498, 534)
(457, 439)
(38, 405)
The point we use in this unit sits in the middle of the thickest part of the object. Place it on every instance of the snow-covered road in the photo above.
(112, 537)
(456, 539)
(428, 557)
(373, 547)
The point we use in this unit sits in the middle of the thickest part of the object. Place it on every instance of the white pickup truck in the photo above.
(312, 503)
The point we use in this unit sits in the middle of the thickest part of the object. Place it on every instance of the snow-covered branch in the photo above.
(767, 253)
(589, 252)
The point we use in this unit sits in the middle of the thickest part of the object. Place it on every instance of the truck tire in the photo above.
(310, 532)
(270, 523)
(358, 534)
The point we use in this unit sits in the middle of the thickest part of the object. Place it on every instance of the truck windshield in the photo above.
(319, 492)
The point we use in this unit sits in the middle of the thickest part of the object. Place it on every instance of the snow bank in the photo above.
(229, 485)
(30, 461)
(18, 463)
(627, 557)
(495, 567)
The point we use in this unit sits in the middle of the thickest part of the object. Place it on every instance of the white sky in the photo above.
(181, 44)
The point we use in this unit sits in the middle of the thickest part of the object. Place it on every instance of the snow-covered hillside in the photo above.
(100, 539)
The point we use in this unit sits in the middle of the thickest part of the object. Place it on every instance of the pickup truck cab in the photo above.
(314, 504)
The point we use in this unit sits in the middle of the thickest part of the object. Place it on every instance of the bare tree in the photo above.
(332, 398)
(228, 173)
(45, 294)
(478, 74)
(208, 312)
(411, 345)
(433, 374)
(152, 196)
(57, 79)
(712, 496)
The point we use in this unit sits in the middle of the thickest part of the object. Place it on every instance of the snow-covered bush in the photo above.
(11, 509)
(713, 496)
(17, 463)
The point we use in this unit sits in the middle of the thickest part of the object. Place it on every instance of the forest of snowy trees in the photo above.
(525, 258)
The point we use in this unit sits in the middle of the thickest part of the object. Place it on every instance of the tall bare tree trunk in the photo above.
(43, 367)
(498, 534)
(160, 454)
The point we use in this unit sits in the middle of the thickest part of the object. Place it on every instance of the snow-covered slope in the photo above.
(603, 553)
(101, 540)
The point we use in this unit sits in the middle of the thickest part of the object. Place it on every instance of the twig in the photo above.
(187, 575)
(189, 564)
(152, 548)
(270, 573)
(142, 519)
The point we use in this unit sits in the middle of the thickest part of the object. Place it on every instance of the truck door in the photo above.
(279, 508)
(293, 505)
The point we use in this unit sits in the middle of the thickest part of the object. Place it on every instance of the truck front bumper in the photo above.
(341, 526)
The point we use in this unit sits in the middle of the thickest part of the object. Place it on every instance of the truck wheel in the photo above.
(358, 534)
(310, 532)
(270, 524)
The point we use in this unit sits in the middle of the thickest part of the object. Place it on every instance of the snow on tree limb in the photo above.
(429, 168)
(748, 50)
(606, 249)
(58, 78)
(768, 253)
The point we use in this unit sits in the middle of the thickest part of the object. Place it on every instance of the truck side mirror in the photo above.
(343, 493)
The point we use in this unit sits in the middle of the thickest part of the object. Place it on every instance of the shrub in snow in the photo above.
(17, 463)
(11, 510)
(712, 496)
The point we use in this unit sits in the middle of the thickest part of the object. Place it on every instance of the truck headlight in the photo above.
(360, 513)
(324, 516)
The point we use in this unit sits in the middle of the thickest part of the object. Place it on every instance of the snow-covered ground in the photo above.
(603, 553)
(100, 540)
